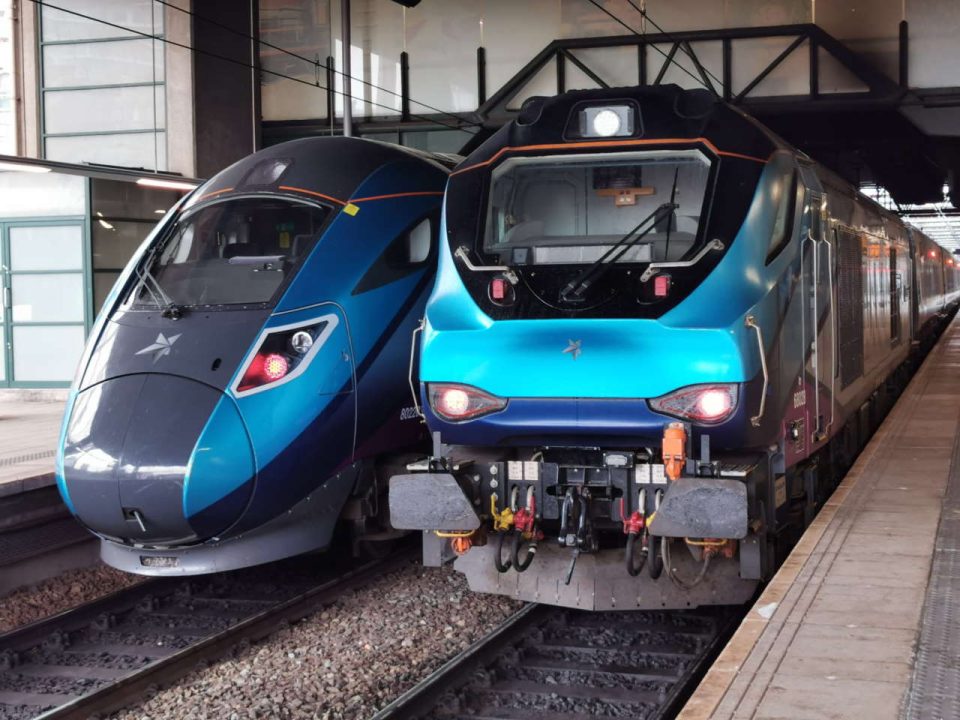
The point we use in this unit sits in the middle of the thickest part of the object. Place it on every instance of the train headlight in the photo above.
(301, 342)
(462, 402)
(703, 404)
(607, 121)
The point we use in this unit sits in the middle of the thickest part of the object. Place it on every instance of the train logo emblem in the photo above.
(161, 347)
(573, 348)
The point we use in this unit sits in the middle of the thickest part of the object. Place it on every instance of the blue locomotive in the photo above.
(657, 335)
(245, 387)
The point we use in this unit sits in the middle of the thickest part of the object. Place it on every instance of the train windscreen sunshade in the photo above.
(574, 210)
(237, 252)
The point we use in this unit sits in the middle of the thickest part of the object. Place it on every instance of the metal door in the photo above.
(817, 265)
(5, 301)
(896, 287)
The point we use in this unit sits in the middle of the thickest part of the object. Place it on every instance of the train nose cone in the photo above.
(157, 460)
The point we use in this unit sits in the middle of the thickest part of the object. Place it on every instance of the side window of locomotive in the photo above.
(410, 251)
(237, 252)
(788, 194)
(420, 242)
(413, 247)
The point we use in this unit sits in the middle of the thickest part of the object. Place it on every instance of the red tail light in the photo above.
(704, 404)
(275, 366)
(661, 285)
(462, 402)
(501, 292)
(265, 368)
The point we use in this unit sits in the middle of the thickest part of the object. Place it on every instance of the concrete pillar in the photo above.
(27, 78)
(178, 61)
(224, 92)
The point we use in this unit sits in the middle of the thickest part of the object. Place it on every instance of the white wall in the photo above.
(442, 36)
(8, 126)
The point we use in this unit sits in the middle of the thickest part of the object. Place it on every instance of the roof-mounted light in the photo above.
(607, 121)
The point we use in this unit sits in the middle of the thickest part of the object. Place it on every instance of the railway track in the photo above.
(106, 654)
(548, 663)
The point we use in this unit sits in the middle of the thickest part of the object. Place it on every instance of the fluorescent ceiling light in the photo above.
(103, 222)
(23, 167)
(165, 184)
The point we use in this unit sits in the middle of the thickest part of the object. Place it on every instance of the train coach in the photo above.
(244, 391)
(658, 336)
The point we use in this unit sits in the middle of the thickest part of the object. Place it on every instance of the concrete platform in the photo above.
(29, 429)
(860, 622)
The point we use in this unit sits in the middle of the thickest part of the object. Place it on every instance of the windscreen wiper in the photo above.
(574, 290)
(168, 308)
(673, 199)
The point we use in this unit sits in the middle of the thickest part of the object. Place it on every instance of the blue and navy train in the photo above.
(658, 336)
(245, 388)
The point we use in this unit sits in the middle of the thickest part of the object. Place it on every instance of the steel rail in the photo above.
(163, 671)
(524, 630)
(422, 696)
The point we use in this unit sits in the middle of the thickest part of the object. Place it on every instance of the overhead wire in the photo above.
(644, 13)
(315, 62)
(234, 61)
(670, 58)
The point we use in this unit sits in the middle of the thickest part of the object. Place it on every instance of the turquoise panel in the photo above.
(703, 339)
(222, 459)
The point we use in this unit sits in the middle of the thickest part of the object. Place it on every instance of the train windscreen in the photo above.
(573, 209)
(236, 252)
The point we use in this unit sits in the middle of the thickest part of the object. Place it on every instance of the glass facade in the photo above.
(64, 239)
(103, 91)
(441, 38)
(295, 36)
(45, 315)
(8, 125)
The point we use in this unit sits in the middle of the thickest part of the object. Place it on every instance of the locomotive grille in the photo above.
(850, 296)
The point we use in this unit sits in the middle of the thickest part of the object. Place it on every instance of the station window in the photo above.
(103, 89)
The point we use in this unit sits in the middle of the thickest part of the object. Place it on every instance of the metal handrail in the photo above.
(653, 268)
(413, 352)
(751, 322)
(463, 253)
(815, 340)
